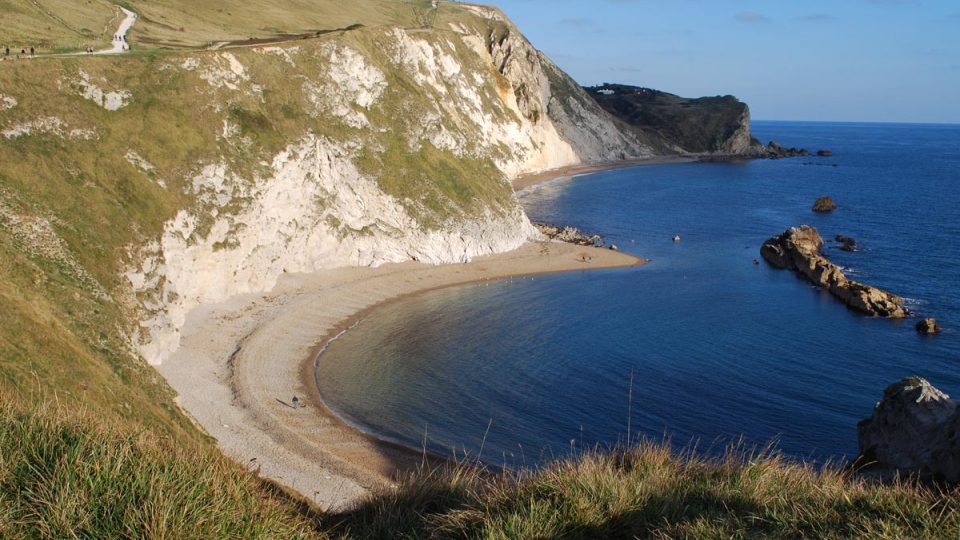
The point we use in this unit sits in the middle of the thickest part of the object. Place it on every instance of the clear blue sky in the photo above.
(852, 60)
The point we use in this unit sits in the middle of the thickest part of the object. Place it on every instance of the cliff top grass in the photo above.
(65, 474)
(67, 25)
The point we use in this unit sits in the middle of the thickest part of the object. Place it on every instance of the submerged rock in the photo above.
(846, 243)
(798, 249)
(914, 429)
(928, 327)
(824, 205)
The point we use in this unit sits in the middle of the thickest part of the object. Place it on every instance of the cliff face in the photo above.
(707, 125)
(200, 176)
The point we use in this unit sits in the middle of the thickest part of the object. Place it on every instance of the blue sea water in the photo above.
(716, 348)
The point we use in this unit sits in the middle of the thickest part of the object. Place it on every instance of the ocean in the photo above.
(701, 347)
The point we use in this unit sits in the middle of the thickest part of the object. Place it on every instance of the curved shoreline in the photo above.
(241, 361)
(526, 181)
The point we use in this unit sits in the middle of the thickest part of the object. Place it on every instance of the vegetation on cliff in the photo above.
(718, 124)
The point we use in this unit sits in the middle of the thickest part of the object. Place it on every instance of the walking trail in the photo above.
(125, 25)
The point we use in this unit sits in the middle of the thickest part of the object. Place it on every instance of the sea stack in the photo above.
(824, 205)
(928, 327)
(913, 429)
(798, 249)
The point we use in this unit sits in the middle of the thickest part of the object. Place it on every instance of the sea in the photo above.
(702, 348)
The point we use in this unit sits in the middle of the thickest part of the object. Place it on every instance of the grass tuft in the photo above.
(60, 477)
(651, 492)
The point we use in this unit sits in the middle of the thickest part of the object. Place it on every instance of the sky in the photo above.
(838, 60)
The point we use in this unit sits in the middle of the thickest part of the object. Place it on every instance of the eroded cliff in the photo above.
(175, 180)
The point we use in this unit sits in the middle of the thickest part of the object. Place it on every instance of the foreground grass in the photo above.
(61, 476)
(649, 492)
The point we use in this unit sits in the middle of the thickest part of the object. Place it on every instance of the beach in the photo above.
(241, 362)
(526, 181)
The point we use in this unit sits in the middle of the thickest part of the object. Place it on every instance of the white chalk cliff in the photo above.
(475, 90)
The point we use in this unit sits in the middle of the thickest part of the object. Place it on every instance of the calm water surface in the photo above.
(717, 347)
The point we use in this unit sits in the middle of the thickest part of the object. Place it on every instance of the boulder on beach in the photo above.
(928, 327)
(914, 430)
(824, 204)
(798, 249)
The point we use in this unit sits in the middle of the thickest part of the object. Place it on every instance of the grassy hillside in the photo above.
(81, 184)
(59, 25)
(65, 474)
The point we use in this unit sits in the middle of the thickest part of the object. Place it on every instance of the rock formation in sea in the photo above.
(913, 429)
(824, 204)
(775, 151)
(846, 243)
(928, 326)
(570, 235)
(798, 249)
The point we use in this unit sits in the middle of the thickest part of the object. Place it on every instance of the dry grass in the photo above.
(650, 492)
(61, 25)
(62, 478)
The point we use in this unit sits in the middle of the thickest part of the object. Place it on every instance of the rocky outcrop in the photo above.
(914, 429)
(708, 125)
(798, 249)
(825, 153)
(570, 235)
(775, 151)
(714, 128)
(928, 327)
(824, 205)
(546, 96)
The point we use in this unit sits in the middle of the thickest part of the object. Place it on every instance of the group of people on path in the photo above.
(23, 52)
(120, 38)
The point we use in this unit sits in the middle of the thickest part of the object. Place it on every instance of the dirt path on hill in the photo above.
(125, 25)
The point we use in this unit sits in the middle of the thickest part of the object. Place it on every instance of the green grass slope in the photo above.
(65, 474)
(65, 25)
